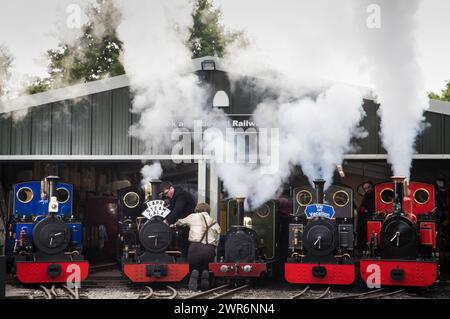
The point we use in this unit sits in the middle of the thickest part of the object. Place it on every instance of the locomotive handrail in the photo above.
(174, 252)
(37, 216)
(343, 255)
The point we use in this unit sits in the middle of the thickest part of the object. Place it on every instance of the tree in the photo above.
(96, 52)
(445, 94)
(94, 55)
(6, 61)
(208, 35)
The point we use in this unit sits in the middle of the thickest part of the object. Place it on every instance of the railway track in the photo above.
(373, 294)
(308, 293)
(119, 282)
(172, 294)
(218, 292)
(55, 292)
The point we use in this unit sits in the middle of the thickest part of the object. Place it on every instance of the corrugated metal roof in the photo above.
(84, 89)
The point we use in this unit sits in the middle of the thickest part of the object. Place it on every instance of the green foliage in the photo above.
(96, 52)
(445, 94)
(208, 35)
(38, 86)
(94, 55)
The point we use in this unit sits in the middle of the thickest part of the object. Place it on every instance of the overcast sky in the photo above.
(29, 28)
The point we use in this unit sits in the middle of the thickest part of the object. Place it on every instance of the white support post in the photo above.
(213, 191)
(201, 181)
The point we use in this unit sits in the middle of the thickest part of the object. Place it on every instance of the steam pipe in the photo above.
(399, 193)
(319, 186)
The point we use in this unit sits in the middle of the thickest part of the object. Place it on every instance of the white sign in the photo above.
(156, 208)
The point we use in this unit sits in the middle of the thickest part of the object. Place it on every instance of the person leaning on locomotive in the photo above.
(204, 234)
(181, 203)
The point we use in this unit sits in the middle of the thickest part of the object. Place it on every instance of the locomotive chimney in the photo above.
(240, 210)
(399, 193)
(155, 188)
(51, 180)
(319, 186)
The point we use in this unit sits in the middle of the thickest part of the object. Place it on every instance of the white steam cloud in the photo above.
(301, 57)
(159, 65)
(312, 132)
(150, 172)
(398, 79)
(316, 133)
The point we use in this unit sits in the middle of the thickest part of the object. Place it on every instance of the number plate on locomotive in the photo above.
(320, 210)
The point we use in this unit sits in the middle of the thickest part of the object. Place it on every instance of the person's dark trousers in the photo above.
(180, 240)
(2, 276)
(185, 241)
(200, 255)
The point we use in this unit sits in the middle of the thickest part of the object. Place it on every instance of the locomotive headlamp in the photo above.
(53, 205)
(248, 222)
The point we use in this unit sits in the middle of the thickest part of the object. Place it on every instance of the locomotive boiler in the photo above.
(250, 245)
(321, 236)
(145, 241)
(44, 237)
(401, 236)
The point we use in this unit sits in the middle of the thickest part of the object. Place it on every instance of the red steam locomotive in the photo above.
(401, 236)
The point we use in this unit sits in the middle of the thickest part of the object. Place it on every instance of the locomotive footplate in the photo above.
(399, 272)
(30, 272)
(314, 273)
(155, 272)
(245, 270)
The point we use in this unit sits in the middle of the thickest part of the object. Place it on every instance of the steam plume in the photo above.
(150, 172)
(158, 63)
(398, 79)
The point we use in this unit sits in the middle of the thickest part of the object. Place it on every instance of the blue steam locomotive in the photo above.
(44, 240)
